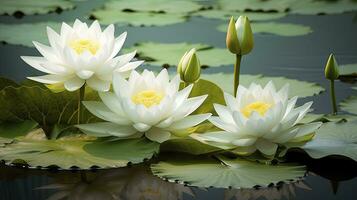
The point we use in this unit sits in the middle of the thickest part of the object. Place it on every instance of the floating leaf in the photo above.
(30, 7)
(255, 5)
(276, 28)
(348, 70)
(111, 16)
(187, 145)
(311, 7)
(170, 53)
(334, 139)
(35, 102)
(79, 151)
(24, 34)
(214, 92)
(312, 117)
(226, 14)
(297, 87)
(349, 105)
(307, 7)
(8, 131)
(161, 6)
(6, 83)
(235, 173)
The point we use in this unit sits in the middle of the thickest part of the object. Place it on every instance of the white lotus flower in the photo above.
(145, 104)
(81, 54)
(258, 119)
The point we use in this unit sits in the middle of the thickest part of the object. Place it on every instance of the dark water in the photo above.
(294, 57)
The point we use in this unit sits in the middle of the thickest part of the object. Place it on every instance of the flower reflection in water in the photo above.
(128, 183)
(283, 191)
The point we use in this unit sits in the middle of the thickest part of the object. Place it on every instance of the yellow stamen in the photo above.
(258, 106)
(82, 45)
(147, 98)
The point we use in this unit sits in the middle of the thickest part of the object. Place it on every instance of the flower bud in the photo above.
(189, 67)
(331, 69)
(240, 36)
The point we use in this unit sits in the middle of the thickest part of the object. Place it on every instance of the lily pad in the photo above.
(297, 87)
(334, 139)
(307, 7)
(187, 145)
(235, 173)
(112, 16)
(8, 131)
(276, 28)
(159, 6)
(33, 101)
(30, 7)
(312, 117)
(348, 70)
(349, 105)
(214, 92)
(160, 54)
(79, 151)
(312, 7)
(226, 14)
(255, 5)
(24, 34)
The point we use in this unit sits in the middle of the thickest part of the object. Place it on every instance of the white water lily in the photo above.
(81, 54)
(145, 104)
(258, 119)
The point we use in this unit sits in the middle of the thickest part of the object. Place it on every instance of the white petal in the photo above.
(48, 79)
(224, 113)
(266, 147)
(112, 102)
(222, 125)
(220, 139)
(36, 62)
(46, 51)
(231, 102)
(158, 135)
(128, 67)
(74, 83)
(307, 129)
(119, 41)
(98, 85)
(53, 37)
(102, 111)
(120, 85)
(188, 106)
(244, 141)
(85, 74)
(182, 95)
(141, 127)
(104, 129)
(189, 121)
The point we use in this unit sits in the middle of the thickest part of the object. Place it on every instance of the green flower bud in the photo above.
(189, 67)
(331, 69)
(240, 36)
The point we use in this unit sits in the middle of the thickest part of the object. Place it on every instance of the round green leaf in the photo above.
(162, 6)
(111, 16)
(226, 14)
(78, 151)
(30, 7)
(235, 173)
(297, 87)
(349, 105)
(334, 139)
(255, 5)
(276, 28)
(348, 70)
(160, 54)
(24, 34)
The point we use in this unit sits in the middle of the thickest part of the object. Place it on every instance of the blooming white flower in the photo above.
(258, 119)
(81, 54)
(145, 104)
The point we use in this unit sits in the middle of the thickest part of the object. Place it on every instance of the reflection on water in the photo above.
(283, 191)
(137, 183)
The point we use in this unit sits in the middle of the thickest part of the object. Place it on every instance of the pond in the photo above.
(302, 57)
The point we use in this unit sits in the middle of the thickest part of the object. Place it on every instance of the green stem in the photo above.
(237, 73)
(80, 99)
(333, 97)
